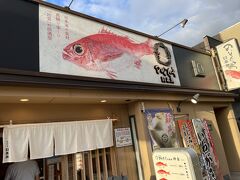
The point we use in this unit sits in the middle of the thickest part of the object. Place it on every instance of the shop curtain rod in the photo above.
(11, 123)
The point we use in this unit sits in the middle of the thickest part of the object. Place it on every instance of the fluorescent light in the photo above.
(103, 101)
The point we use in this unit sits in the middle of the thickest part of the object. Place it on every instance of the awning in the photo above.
(49, 139)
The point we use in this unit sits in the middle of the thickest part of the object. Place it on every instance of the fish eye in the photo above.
(78, 49)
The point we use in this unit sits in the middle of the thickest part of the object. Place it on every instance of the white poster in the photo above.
(73, 45)
(229, 57)
(123, 137)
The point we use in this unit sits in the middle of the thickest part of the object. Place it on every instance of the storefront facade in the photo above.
(57, 93)
(211, 43)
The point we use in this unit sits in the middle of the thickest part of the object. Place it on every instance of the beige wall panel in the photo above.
(120, 160)
(230, 136)
(27, 113)
(131, 168)
(231, 32)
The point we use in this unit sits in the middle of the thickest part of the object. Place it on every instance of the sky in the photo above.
(205, 17)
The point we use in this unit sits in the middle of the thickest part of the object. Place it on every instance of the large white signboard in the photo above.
(176, 163)
(73, 45)
(229, 57)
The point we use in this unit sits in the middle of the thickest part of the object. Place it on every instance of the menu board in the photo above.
(176, 163)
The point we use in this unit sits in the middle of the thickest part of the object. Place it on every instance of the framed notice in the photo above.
(123, 137)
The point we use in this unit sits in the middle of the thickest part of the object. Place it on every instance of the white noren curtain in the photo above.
(66, 137)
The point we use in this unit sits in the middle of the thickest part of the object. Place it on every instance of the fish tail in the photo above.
(148, 42)
(148, 46)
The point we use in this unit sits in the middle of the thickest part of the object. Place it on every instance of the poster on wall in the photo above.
(73, 45)
(161, 128)
(123, 137)
(205, 147)
(229, 58)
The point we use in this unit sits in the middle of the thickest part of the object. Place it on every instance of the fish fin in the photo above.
(110, 56)
(105, 31)
(111, 74)
(138, 63)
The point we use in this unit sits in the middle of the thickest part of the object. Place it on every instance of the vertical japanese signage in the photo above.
(161, 128)
(190, 140)
(188, 135)
(202, 135)
(229, 57)
(74, 45)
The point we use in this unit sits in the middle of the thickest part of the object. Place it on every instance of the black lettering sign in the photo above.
(166, 74)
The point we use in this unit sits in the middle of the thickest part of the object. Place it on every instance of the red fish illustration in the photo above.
(233, 74)
(161, 164)
(96, 52)
(163, 179)
(163, 172)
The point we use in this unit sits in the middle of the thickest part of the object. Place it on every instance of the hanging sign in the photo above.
(208, 157)
(74, 45)
(161, 128)
(190, 140)
(123, 137)
(229, 57)
(188, 135)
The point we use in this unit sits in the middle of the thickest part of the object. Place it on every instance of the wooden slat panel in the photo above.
(64, 162)
(74, 164)
(98, 165)
(105, 169)
(90, 165)
(84, 168)
(113, 161)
